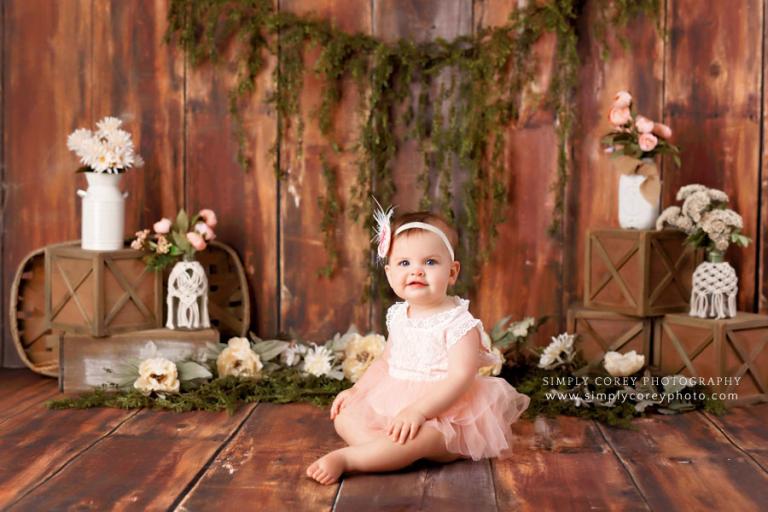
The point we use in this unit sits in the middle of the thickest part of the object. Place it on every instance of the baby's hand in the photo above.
(405, 425)
(338, 402)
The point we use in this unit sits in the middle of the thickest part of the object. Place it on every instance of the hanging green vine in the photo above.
(456, 99)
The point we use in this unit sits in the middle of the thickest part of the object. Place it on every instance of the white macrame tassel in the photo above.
(188, 285)
(715, 286)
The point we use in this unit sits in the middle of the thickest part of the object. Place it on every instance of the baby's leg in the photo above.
(353, 431)
(381, 454)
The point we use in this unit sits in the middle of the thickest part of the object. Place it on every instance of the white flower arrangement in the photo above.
(705, 218)
(108, 149)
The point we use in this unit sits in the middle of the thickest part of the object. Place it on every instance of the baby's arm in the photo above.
(462, 370)
(372, 375)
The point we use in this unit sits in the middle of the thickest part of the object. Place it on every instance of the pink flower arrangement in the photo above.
(637, 136)
(172, 240)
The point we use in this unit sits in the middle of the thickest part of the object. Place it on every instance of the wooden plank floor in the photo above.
(108, 459)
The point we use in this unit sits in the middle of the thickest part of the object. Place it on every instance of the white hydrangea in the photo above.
(668, 216)
(696, 204)
(687, 190)
(717, 195)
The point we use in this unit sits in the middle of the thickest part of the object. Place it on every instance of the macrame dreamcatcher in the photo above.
(188, 296)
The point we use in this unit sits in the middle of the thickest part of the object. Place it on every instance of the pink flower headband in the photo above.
(384, 230)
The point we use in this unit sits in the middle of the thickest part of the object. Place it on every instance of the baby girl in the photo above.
(423, 398)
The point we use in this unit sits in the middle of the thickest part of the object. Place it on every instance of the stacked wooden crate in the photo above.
(636, 297)
(104, 307)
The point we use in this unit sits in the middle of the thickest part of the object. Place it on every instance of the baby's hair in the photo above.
(428, 218)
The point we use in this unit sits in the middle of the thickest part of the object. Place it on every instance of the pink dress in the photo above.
(477, 425)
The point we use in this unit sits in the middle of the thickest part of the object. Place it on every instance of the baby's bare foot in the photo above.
(328, 468)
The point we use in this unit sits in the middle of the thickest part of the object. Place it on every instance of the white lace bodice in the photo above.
(419, 347)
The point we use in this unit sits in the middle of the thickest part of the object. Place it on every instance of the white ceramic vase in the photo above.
(187, 296)
(103, 221)
(635, 212)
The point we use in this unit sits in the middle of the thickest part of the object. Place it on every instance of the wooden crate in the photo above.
(732, 347)
(602, 331)
(100, 293)
(83, 359)
(638, 272)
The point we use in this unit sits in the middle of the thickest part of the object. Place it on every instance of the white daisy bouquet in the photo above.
(108, 149)
(705, 217)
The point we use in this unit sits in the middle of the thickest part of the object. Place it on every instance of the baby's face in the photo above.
(420, 268)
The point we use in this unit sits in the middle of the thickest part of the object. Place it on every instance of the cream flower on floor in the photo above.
(239, 360)
(318, 361)
(360, 353)
(619, 365)
(159, 375)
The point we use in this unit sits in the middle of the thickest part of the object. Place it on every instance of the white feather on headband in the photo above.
(383, 227)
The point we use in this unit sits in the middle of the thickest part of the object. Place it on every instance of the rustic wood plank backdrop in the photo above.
(65, 64)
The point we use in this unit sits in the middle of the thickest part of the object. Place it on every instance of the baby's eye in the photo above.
(403, 263)
(431, 261)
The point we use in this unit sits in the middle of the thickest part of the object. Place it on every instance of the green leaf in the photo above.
(270, 349)
(182, 221)
(740, 239)
(674, 384)
(678, 406)
(498, 329)
(190, 370)
(181, 241)
(643, 404)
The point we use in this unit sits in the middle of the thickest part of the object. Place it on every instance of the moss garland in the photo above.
(281, 386)
(288, 385)
(456, 98)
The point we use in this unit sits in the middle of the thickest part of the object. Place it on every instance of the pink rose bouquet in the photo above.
(170, 240)
(636, 136)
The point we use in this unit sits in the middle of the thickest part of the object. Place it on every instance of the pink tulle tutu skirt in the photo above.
(476, 426)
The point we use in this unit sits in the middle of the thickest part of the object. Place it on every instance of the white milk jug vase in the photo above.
(635, 212)
(103, 212)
